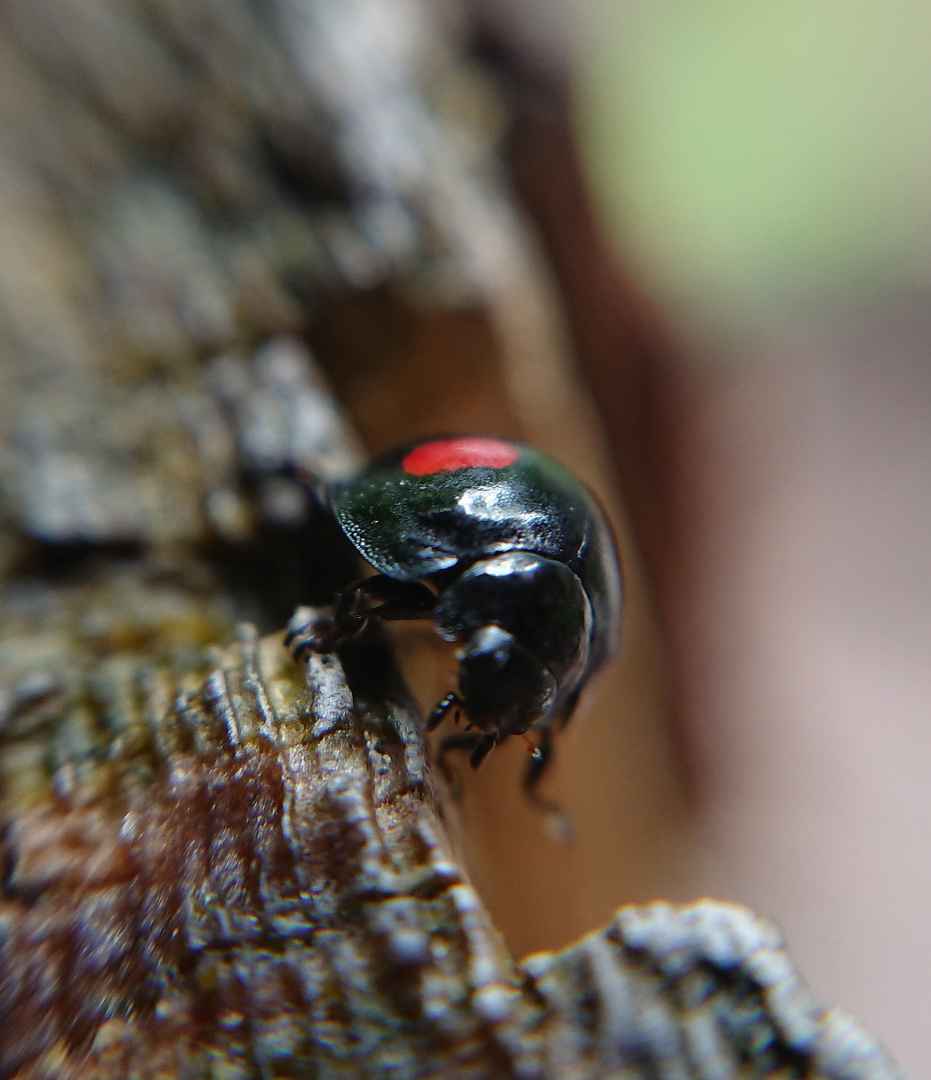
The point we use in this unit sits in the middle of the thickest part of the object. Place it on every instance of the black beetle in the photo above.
(511, 557)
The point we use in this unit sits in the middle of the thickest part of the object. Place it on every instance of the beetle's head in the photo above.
(504, 688)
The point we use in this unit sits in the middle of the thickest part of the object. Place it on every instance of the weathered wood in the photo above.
(256, 881)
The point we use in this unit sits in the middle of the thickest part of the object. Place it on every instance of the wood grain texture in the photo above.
(280, 899)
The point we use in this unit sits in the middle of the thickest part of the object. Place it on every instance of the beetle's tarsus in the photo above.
(316, 630)
(558, 823)
(451, 701)
(539, 762)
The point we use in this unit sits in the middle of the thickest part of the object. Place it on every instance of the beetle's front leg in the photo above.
(322, 630)
(481, 751)
(559, 824)
(393, 600)
(313, 630)
(539, 761)
(442, 709)
(480, 744)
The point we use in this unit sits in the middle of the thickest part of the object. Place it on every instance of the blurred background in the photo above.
(764, 175)
(686, 248)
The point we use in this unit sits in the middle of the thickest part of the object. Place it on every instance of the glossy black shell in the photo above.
(413, 528)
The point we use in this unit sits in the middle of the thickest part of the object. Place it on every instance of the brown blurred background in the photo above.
(762, 175)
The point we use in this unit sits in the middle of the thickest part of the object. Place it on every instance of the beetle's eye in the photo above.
(503, 685)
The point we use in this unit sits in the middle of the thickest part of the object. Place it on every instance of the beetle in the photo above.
(511, 557)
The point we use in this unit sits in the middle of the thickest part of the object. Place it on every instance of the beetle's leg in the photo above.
(477, 742)
(311, 629)
(396, 600)
(558, 821)
(442, 708)
(322, 630)
(457, 742)
(382, 596)
(481, 751)
(454, 742)
(539, 761)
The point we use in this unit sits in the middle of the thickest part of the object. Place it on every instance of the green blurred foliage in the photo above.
(747, 154)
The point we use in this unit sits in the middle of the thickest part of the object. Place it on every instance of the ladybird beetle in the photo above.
(513, 560)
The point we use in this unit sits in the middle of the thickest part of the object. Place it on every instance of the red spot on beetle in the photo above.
(447, 455)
